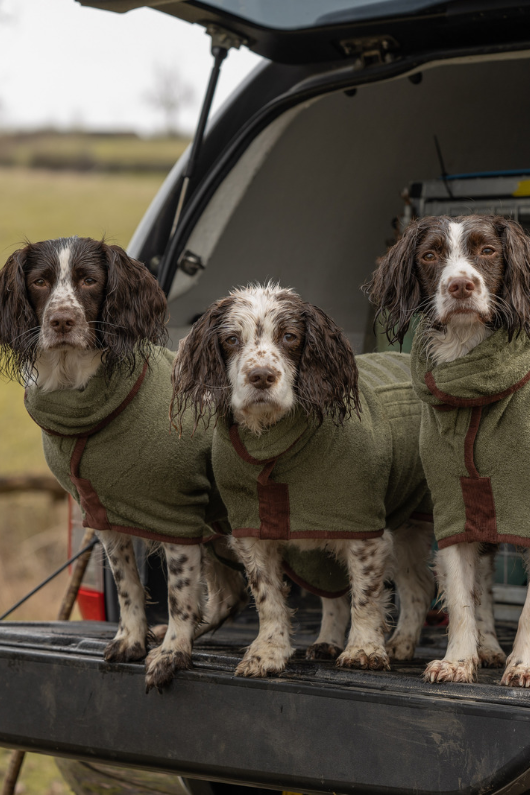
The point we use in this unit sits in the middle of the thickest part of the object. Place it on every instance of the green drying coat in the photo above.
(303, 480)
(475, 440)
(110, 446)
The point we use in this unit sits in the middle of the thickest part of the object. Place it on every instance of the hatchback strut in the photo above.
(222, 41)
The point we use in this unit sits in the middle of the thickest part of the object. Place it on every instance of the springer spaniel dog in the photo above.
(467, 277)
(73, 308)
(253, 361)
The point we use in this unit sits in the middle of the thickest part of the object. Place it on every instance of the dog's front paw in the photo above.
(124, 649)
(323, 651)
(447, 671)
(161, 666)
(263, 658)
(401, 647)
(376, 660)
(517, 673)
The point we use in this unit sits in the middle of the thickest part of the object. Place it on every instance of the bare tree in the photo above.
(169, 95)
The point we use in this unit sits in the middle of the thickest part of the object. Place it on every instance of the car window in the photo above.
(289, 14)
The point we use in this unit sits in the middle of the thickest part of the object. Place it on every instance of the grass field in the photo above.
(86, 152)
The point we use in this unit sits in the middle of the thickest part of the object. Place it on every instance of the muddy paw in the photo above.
(516, 676)
(447, 671)
(161, 666)
(124, 650)
(323, 651)
(358, 658)
(492, 658)
(400, 648)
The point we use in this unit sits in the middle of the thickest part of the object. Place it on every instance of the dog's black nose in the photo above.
(62, 322)
(461, 287)
(262, 377)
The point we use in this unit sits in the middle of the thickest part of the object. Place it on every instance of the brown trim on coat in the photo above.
(311, 588)
(455, 402)
(273, 498)
(254, 532)
(149, 536)
(470, 537)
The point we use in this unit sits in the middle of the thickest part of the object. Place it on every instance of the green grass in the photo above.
(39, 775)
(90, 152)
(39, 205)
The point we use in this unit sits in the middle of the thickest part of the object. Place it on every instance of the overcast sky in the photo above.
(64, 65)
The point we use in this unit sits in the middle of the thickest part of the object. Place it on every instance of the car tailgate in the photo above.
(314, 729)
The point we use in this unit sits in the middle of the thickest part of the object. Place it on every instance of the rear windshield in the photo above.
(289, 14)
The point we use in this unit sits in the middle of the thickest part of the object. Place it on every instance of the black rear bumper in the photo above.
(315, 729)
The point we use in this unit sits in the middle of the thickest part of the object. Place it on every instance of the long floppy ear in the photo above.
(394, 287)
(134, 311)
(327, 372)
(19, 327)
(199, 372)
(513, 311)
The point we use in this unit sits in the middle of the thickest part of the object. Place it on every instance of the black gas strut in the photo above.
(222, 41)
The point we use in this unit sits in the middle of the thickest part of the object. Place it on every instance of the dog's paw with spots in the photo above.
(374, 660)
(161, 666)
(323, 651)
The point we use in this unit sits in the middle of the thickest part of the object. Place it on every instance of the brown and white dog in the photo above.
(253, 357)
(68, 307)
(467, 276)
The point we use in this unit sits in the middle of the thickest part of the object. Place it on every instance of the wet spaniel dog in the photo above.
(466, 276)
(252, 358)
(69, 307)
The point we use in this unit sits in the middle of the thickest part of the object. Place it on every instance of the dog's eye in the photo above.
(232, 341)
(488, 250)
(289, 337)
(40, 283)
(429, 256)
(89, 281)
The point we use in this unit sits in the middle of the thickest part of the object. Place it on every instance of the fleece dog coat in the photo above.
(475, 440)
(303, 480)
(111, 448)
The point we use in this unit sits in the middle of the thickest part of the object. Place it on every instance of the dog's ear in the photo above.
(133, 312)
(394, 287)
(513, 312)
(199, 372)
(327, 373)
(19, 327)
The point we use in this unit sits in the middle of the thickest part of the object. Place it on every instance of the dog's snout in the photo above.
(62, 322)
(461, 287)
(262, 377)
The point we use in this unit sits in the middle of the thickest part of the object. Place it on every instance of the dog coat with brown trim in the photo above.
(302, 480)
(110, 446)
(475, 441)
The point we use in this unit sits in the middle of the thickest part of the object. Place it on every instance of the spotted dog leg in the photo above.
(414, 584)
(489, 651)
(456, 568)
(227, 594)
(130, 641)
(269, 652)
(330, 642)
(517, 673)
(184, 600)
(367, 562)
